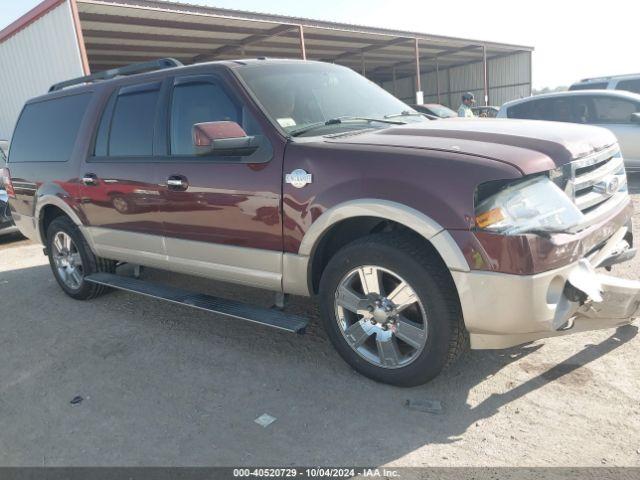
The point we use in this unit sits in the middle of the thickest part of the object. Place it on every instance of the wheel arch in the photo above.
(48, 208)
(302, 271)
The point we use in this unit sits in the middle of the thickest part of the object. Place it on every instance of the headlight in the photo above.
(529, 206)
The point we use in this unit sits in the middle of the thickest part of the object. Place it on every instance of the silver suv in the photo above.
(630, 83)
(615, 110)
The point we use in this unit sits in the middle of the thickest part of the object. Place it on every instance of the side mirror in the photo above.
(222, 138)
(635, 117)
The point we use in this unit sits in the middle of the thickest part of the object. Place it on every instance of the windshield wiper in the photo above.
(339, 120)
(405, 113)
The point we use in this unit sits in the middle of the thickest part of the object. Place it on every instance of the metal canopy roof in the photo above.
(118, 32)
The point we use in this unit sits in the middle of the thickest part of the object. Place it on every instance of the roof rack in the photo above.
(134, 68)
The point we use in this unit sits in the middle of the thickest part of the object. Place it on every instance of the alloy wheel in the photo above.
(380, 316)
(67, 260)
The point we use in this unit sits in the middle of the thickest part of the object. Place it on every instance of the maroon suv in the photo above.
(305, 178)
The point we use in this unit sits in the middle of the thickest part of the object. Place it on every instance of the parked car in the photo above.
(435, 109)
(4, 150)
(630, 83)
(413, 236)
(615, 110)
(6, 221)
(485, 111)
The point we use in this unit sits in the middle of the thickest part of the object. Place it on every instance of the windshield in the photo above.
(302, 94)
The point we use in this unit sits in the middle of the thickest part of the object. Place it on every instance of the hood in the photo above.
(529, 145)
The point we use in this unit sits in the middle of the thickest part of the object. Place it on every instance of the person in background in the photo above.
(465, 107)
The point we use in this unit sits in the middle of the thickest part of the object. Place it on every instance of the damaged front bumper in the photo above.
(502, 310)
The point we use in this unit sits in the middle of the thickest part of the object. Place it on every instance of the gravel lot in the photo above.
(166, 385)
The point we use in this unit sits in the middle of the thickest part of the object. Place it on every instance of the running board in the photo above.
(222, 306)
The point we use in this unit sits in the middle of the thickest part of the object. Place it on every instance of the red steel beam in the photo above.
(80, 39)
(303, 47)
(28, 18)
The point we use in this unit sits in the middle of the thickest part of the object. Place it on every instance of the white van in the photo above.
(631, 83)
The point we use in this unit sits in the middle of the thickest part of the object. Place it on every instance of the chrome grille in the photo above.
(598, 182)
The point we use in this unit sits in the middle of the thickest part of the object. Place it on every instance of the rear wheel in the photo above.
(391, 309)
(72, 260)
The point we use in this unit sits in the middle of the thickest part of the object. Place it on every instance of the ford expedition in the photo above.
(415, 237)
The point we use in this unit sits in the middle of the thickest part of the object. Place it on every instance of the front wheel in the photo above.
(71, 260)
(391, 309)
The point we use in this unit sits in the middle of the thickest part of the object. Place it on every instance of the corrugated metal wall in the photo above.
(43, 53)
(509, 78)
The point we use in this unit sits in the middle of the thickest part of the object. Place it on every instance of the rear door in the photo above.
(224, 221)
(120, 193)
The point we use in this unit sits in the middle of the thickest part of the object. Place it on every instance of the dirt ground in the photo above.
(165, 385)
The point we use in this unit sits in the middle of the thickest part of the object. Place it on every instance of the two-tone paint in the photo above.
(239, 221)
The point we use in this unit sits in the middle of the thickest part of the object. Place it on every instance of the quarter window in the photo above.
(47, 131)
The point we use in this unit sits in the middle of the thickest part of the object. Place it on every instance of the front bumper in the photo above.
(502, 310)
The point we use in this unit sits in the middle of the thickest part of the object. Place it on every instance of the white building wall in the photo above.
(509, 78)
(41, 54)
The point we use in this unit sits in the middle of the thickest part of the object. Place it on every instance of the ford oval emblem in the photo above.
(298, 178)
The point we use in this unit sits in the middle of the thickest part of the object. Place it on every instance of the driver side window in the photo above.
(200, 102)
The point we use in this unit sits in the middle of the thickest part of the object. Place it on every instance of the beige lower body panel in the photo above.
(295, 274)
(244, 266)
(502, 310)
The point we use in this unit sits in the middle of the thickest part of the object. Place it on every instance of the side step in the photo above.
(230, 308)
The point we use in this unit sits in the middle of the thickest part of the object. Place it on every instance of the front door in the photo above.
(120, 196)
(221, 215)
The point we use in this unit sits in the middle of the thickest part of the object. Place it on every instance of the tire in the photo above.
(84, 261)
(401, 260)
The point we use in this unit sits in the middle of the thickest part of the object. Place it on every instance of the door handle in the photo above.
(90, 179)
(177, 182)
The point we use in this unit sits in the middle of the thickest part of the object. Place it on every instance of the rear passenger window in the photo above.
(47, 130)
(528, 110)
(629, 85)
(131, 132)
(560, 110)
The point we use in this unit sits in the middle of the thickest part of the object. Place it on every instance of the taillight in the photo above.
(5, 181)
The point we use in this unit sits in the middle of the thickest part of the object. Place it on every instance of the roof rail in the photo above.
(610, 77)
(134, 68)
